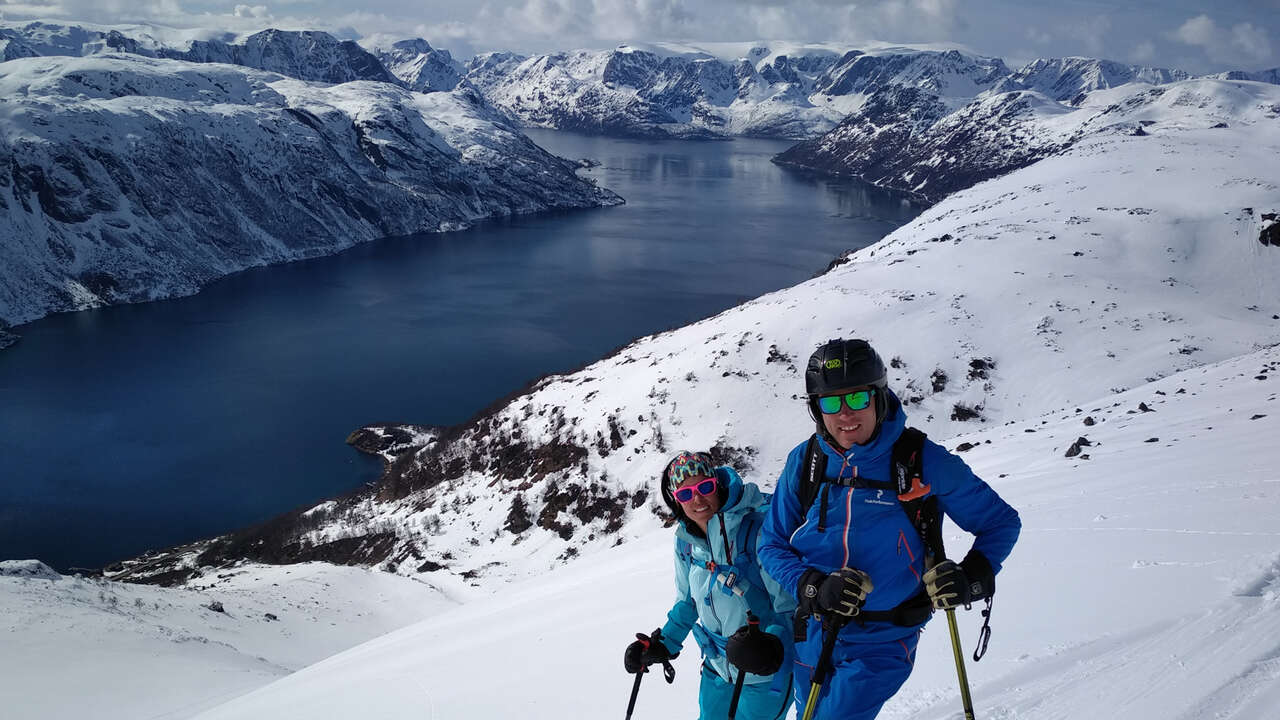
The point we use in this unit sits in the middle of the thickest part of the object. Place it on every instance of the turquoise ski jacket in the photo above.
(719, 577)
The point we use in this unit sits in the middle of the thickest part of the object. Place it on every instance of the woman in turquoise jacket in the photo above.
(718, 580)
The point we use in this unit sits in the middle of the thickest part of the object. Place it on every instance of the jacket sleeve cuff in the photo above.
(982, 579)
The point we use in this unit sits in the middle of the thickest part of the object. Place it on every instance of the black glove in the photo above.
(952, 585)
(841, 593)
(645, 651)
(752, 650)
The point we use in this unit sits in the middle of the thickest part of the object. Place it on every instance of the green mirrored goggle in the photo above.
(860, 400)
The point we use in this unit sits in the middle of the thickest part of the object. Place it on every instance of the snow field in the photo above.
(1145, 582)
(81, 647)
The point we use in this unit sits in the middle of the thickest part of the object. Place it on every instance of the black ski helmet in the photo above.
(841, 365)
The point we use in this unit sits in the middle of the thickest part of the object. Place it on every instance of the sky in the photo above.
(1188, 34)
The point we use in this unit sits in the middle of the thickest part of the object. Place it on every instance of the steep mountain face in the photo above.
(307, 55)
(421, 67)
(782, 91)
(909, 143)
(950, 75)
(1067, 79)
(1090, 262)
(131, 178)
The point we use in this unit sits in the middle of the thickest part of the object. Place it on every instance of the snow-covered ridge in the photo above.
(1068, 79)
(421, 67)
(1119, 260)
(779, 90)
(911, 142)
(304, 54)
(135, 178)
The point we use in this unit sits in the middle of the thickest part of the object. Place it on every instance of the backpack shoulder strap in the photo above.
(917, 498)
(812, 473)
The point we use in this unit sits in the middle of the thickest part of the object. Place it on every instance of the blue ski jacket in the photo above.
(868, 530)
(719, 577)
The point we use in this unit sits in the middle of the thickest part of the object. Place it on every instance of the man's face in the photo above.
(849, 427)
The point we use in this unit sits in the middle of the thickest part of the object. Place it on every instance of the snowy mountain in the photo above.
(421, 67)
(136, 178)
(306, 55)
(1118, 260)
(908, 142)
(1267, 76)
(1067, 79)
(769, 90)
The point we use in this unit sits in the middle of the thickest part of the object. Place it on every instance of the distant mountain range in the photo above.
(87, 221)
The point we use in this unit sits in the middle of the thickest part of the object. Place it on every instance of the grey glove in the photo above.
(951, 585)
(840, 593)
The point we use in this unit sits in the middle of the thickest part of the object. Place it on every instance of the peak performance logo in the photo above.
(878, 499)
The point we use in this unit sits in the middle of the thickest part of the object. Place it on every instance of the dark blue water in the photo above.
(144, 426)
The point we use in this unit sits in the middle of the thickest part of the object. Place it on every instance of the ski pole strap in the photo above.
(984, 635)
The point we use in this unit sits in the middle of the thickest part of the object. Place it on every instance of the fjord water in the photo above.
(143, 426)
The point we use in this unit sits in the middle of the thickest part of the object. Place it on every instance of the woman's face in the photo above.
(699, 508)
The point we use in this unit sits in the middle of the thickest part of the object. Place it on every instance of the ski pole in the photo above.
(754, 622)
(830, 630)
(737, 693)
(964, 677)
(668, 672)
(635, 690)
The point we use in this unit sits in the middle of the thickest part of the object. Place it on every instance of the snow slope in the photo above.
(84, 647)
(1146, 586)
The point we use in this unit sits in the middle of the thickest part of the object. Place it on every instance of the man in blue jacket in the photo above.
(847, 550)
(718, 582)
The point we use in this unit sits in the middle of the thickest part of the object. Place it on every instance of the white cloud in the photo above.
(1143, 52)
(254, 11)
(1090, 33)
(1242, 43)
(24, 10)
(1199, 30)
(1038, 36)
(1251, 40)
